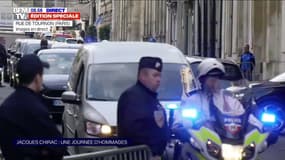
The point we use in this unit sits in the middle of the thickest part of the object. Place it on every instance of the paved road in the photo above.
(5, 90)
(276, 152)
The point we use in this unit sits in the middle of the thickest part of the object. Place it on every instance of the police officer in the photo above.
(44, 45)
(141, 118)
(247, 65)
(23, 115)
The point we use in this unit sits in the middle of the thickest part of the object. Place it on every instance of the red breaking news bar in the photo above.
(55, 16)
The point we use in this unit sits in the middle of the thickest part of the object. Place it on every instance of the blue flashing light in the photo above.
(268, 118)
(190, 113)
(172, 106)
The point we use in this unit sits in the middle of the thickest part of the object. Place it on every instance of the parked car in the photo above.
(14, 48)
(55, 78)
(24, 47)
(270, 92)
(269, 87)
(61, 37)
(11, 57)
(66, 45)
(71, 40)
(279, 78)
(100, 73)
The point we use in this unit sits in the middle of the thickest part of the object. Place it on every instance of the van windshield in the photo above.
(107, 81)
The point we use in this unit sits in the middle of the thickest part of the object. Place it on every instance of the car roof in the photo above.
(33, 41)
(71, 38)
(22, 40)
(278, 78)
(131, 52)
(63, 35)
(193, 59)
(30, 41)
(57, 50)
(66, 45)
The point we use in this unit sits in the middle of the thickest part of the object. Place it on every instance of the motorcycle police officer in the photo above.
(141, 118)
(209, 73)
(211, 98)
(23, 115)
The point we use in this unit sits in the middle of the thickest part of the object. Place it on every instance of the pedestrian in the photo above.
(247, 61)
(141, 118)
(23, 115)
(82, 34)
(44, 45)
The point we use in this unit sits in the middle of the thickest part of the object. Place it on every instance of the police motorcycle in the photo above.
(228, 137)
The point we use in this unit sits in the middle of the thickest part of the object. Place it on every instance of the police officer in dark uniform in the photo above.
(23, 115)
(141, 118)
(44, 45)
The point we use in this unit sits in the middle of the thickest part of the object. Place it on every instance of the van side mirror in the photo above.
(70, 97)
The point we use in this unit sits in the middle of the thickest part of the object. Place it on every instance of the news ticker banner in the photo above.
(42, 19)
(73, 142)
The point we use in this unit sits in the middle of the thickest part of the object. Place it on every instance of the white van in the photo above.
(100, 73)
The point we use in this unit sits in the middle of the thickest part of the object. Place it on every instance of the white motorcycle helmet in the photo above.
(210, 67)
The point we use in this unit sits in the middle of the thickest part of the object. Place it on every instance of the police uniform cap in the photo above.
(30, 65)
(150, 62)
